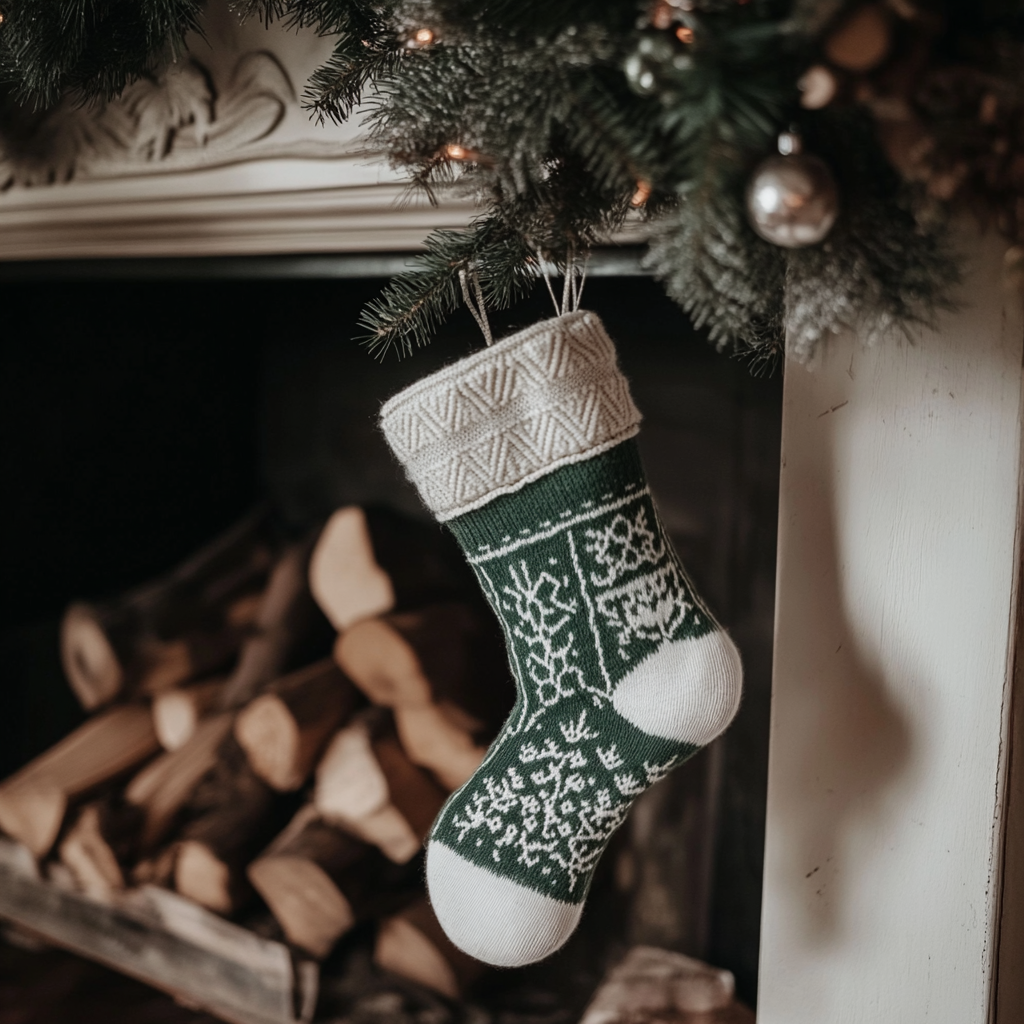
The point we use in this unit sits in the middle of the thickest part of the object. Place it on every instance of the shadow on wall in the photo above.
(854, 742)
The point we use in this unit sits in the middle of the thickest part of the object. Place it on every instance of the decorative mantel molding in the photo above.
(214, 157)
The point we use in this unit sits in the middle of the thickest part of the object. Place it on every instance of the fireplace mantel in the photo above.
(216, 157)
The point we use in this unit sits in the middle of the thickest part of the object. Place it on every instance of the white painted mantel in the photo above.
(893, 678)
(215, 157)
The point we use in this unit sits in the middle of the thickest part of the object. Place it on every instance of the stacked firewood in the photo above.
(279, 721)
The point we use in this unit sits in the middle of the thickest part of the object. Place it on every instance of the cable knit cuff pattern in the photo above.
(543, 398)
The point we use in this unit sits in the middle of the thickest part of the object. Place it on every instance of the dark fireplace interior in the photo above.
(139, 418)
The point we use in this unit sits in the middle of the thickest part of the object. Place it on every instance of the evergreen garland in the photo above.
(564, 118)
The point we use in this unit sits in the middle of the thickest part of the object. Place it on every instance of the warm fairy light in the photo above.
(456, 152)
(684, 34)
(641, 195)
(662, 15)
(1, 17)
(423, 36)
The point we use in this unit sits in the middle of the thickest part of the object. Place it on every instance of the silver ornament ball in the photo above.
(645, 65)
(792, 201)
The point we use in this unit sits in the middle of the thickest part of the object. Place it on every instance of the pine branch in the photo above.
(710, 261)
(411, 308)
(880, 270)
(88, 48)
(336, 88)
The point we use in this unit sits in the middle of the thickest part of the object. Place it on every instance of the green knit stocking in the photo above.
(525, 451)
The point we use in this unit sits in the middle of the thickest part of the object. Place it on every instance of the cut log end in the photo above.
(382, 664)
(413, 945)
(89, 856)
(344, 576)
(434, 742)
(32, 815)
(175, 719)
(406, 951)
(309, 907)
(268, 734)
(33, 801)
(663, 985)
(201, 876)
(176, 713)
(352, 792)
(370, 788)
(283, 731)
(90, 663)
(349, 782)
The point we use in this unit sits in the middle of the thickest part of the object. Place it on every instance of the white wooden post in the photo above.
(895, 630)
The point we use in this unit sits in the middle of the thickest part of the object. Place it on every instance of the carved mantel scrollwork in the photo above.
(215, 156)
(175, 121)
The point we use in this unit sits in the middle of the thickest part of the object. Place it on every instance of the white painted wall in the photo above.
(897, 532)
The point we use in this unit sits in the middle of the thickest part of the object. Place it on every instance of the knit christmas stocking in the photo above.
(525, 450)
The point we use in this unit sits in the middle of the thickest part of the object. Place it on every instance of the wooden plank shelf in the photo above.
(166, 941)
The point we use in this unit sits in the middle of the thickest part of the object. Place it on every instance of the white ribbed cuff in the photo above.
(545, 397)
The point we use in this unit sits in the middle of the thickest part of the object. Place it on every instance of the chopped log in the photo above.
(414, 793)
(652, 985)
(96, 848)
(156, 870)
(284, 730)
(176, 713)
(344, 576)
(289, 630)
(33, 802)
(366, 785)
(433, 741)
(187, 623)
(234, 814)
(444, 671)
(451, 654)
(166, 941)
(319, 882)
(413, 945)
(164, 787)
(352, 792)
(373, 560)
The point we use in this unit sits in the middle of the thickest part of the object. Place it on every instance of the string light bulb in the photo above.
(641, 195)
(453, 151)
(421, 38)
(663, 14)
(684, 34)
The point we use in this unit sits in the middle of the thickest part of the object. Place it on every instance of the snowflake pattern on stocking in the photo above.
(584, 598)
(555, 810)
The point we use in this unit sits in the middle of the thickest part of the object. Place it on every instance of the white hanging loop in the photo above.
(476, 305)
(583, 280)
(567, 292)
(547, 280)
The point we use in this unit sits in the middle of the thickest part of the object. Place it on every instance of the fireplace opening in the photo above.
(141, 419)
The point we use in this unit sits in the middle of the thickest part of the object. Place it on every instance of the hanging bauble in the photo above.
(792, 199)
(817, 87)
(862, 41)
(659, 61)
(645, 66)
